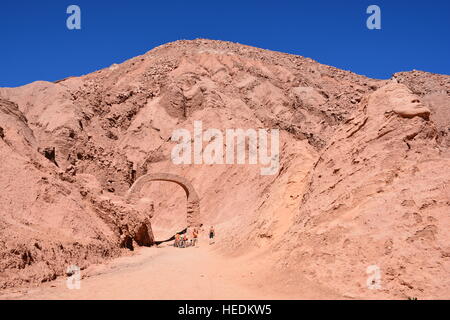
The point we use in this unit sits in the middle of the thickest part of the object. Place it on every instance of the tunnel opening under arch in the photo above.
(192, 203)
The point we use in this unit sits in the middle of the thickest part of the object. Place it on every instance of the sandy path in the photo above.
(172, 273)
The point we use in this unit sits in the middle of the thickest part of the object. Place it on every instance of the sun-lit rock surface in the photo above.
(363, 174)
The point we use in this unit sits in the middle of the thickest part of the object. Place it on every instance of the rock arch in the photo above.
(193, 201)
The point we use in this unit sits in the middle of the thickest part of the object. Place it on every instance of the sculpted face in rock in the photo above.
(406, 104)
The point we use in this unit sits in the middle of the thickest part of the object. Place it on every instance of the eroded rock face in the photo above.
(48, 218)
(130, 226)
(377, 195)
(363, 174)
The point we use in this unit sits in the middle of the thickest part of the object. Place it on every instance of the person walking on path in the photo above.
(194, 237)
(177, 240)
(212, 234)
(186, 240)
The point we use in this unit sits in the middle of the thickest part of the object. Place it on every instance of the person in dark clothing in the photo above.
(212, 234)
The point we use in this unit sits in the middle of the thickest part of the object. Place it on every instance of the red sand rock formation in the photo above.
(363, 174)
(193, 201)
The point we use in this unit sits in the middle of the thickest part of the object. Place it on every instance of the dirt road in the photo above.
(173, 273)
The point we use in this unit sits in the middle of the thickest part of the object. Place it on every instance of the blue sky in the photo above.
(36, 44)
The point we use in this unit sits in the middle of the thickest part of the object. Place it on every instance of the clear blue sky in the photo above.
(36, 45)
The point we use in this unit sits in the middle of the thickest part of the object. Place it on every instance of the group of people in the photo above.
(184, 241)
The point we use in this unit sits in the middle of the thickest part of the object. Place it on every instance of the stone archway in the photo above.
(193, 201)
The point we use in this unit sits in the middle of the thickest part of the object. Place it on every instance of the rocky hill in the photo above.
(363, 176)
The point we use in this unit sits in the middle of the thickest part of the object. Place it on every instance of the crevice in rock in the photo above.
(127, 242)
(50, 154)
(142, 237)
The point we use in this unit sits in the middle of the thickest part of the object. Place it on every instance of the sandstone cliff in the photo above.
(363, 176)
